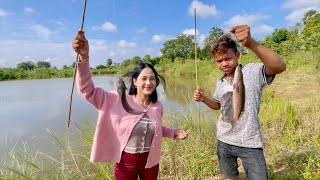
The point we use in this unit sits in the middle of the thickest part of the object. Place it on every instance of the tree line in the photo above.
(304, 36)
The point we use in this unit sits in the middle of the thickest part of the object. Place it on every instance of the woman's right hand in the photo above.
(198, 95)
(80, 45)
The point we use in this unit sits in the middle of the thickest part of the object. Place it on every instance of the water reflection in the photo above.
(180, 90)
(28, 107)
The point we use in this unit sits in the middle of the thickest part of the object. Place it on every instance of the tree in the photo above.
(155, 60)
(109, 62)
(205, 52)
(43, 64)
(214, 35)
(308, 15)
(65, 67)
(280, 35)
(73, 65)
(147, 58)
(311, 31)
(29, 65)
(136, 59)
(182, 47)
(276, 40)
(100, 67)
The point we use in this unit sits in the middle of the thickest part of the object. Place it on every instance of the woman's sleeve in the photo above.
(96, 96)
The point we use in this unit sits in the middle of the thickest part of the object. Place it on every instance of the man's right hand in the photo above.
(80, 45)
(198, 95)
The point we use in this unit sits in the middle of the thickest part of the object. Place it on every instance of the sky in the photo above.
(42, 30)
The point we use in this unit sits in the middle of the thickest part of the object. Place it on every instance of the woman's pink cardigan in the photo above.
(114, 124)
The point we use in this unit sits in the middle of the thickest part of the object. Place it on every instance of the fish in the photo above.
(121, 89)
(238, 97)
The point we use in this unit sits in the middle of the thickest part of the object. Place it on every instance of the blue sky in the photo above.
(117, 29)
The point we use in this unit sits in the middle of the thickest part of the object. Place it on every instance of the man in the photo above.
(242, 140)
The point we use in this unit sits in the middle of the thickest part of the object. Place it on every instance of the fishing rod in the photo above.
(76, 65)
(196, 61)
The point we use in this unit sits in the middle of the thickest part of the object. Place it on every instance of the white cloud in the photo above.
(202, 9)
(158, 38)
(28, 10)
(252, 20)
(190, 32)
(249, 19)
(41, 31)
(301, 4)
(3, 13)
(58, 22)
(107, 26)
(200, 37)
(98, 45)
(201, 40)
(299, 8)
(297, 15)
(142, 30)
(263, 28)
(148, 50)
(124, 44)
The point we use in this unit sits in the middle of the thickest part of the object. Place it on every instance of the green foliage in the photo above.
(182, 47)
(284, 41)
(147, 58)
(109, 62)
(308, 15)
(311, 32)
(103, 71)
(29, 65)
(280, 35)
(136, 59)
(65, 67)
(101, 67)
(205, 52)
(214, 35)
(43, 64)
(275, 40)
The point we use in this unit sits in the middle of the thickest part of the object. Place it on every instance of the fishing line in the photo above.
(76, 65)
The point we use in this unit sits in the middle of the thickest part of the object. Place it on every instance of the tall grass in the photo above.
(289, 154)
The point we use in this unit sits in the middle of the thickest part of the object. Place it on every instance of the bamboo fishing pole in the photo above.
(196, 61)
(76, 64)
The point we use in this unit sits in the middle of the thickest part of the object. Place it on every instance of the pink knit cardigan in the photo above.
(114, 124)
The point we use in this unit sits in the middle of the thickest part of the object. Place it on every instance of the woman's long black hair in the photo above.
(134, 75)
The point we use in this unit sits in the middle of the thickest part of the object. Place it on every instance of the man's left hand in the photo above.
(242, 33)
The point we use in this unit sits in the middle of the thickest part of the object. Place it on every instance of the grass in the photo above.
(289, 116)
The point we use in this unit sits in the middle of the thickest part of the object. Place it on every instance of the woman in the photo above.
(132, 141)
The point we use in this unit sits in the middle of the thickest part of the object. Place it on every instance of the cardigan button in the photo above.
(145, 111)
